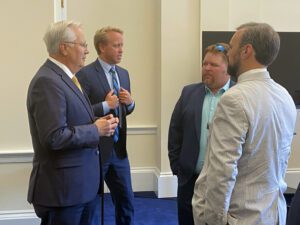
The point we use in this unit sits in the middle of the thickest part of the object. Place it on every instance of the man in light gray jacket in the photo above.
(242, 180)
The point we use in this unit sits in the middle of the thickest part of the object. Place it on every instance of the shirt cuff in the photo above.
(105, 107)
(130, 106)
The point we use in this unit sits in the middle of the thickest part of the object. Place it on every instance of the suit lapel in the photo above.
(121, 78)
(79, 94)
(101, 76)
(66, 79)
(200, 92)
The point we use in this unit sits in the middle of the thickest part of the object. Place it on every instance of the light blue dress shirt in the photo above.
(209, 107)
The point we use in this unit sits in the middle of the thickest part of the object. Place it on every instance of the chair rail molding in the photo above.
(25, 155)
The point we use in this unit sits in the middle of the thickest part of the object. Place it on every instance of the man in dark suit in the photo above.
(190, 123)
(294, 212)
(108, 88)
(65, 178)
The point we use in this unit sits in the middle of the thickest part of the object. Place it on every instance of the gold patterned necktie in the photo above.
(76, 82)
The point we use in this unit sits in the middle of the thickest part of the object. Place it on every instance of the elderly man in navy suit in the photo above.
(108, 88)
(66, 175)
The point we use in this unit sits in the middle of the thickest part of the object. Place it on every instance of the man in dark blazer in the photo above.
(190, 123)
(65, 178)
(108, 88)
(294, 212)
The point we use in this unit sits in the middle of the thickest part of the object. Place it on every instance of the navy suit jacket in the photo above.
(66, 168)
(94, 82)
(294, 212)
(185, 132)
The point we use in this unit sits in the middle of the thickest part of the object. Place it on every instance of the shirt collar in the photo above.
(106, 67)
(261, 73)
(62, 66)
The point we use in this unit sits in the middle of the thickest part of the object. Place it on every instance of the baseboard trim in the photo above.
(143, 179)
(292, 177)
(19, 217)
(164, 184)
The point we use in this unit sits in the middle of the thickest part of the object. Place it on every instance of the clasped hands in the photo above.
(113, 100)
(106, 125)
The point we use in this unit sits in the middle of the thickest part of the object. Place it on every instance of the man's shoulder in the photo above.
(48, 71)
(89, 66)
(195, 89)
(194, 86)
(121, 69)
(88, 69)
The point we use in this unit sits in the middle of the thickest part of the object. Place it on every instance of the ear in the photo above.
(247, 51)
(101, 47)
(63, 49)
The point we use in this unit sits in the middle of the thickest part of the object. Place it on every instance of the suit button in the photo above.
(97, 152)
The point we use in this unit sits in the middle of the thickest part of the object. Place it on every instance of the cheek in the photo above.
(218, 73)
(232, 56)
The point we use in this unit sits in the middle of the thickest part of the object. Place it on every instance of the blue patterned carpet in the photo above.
(149, 210)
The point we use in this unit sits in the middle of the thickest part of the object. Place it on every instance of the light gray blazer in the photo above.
(242, 181)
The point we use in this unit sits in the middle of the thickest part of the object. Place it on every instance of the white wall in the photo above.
(22, 52)
(161, 53)
(228, 14)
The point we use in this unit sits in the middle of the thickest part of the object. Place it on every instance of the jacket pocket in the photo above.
(67, 163)
(231, 220)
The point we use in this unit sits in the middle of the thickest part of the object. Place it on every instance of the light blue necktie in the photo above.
(116, 92)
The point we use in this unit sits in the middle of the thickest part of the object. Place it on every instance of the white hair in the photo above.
(59, 32)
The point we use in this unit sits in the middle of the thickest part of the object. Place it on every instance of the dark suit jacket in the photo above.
(185, 132)
(94, 82)
(294, 212)
(66, 168)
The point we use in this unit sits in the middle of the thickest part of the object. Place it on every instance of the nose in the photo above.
(207, 67)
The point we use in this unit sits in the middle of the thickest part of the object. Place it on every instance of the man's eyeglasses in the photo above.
(220, 48)
(84, 45)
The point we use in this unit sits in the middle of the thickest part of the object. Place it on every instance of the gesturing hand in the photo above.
(106, 125)
(112, 100)
(125, 97)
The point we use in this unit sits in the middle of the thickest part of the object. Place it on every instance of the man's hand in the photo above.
(106, 125)
(112, 100)
(125, 97)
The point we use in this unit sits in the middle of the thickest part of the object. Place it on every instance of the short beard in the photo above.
(233, 70)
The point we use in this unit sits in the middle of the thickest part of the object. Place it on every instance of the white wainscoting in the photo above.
(164, 184)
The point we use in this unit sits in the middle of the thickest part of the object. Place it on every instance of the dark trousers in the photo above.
(81, 214)
(118, 179)
(184, 201)
(294, 212)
